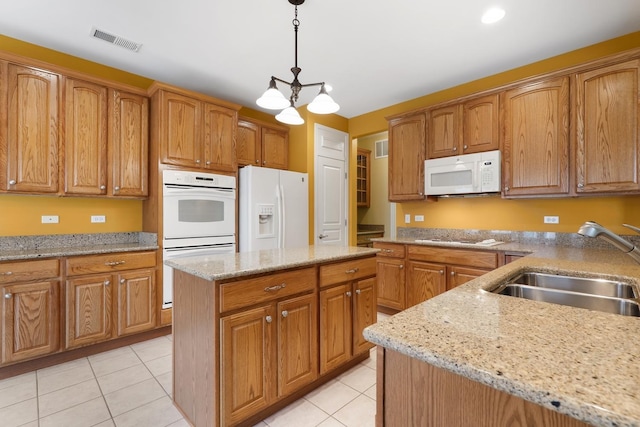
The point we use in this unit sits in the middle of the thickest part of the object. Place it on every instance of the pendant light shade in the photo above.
(323, 103)
(273, 99)
(290, 116)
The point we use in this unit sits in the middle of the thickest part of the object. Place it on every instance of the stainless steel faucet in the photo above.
(593, 229)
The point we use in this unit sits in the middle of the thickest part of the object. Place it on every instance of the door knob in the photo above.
(322, 236)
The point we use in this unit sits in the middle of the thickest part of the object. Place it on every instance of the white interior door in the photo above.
(331, 187)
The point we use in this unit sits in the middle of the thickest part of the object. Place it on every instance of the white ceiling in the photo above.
(374, 53)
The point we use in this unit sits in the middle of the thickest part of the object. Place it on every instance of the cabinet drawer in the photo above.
(22, 271)
(482, 259)
(347, 270)
(390, 249)
(269, 287)
(77, 266)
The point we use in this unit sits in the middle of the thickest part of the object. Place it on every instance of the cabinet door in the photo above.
(29, 120)
(297, 343)
(364, 313)
(391, 282)
(85, 140)
(31, 320)
(219, 138)
(536, 139)
(247, 364)
(88, 310)
(181, 137)
(461, 275)
(248, 145)
(445, 132)
(275, 148)
(129, 144)
(424, 281)
(335, 327)
(607, 123)
(136, 301)
(480, 124)
(406, 158)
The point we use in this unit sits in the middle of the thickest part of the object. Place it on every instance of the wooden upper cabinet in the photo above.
(128, 144)
(195, 133)
(219, 138)
(363, 178)
(180, 124)
(406, 157)
(262, 144)
(464, 128)
(85, 141)
(535, 146)
(29, 129)
(445, 131)
(607, 120)
(480, 124)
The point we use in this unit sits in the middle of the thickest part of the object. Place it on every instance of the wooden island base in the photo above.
(414, 393)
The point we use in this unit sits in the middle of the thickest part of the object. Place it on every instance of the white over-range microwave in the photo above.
(465, 174)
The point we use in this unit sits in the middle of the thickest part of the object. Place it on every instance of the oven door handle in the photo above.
(186, 252)
(198, 191)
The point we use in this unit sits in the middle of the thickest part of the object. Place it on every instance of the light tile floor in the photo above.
(131, 386)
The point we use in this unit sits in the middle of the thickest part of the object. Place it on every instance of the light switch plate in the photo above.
(407, 219)
(50, 219)
(98, 218)
(552, 220)
(419, 218)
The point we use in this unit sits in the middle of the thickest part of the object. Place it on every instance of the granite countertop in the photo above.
(226, 266)
(20, 248)
(582, 363)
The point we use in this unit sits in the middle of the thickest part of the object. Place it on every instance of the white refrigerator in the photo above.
(274, 209)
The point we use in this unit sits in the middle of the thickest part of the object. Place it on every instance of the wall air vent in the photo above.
(116, 40)
(382, 148)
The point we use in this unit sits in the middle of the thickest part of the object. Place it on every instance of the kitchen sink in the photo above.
(609, 296)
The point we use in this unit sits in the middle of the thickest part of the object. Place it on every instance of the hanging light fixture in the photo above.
(273, 99)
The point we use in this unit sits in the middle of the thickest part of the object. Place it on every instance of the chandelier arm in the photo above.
(312, 84)
(282, 81)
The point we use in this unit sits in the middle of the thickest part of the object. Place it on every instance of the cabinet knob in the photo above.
(122, 280)
(198, 161)
(8, 295)
(455, 148)
(464, 147)
(420, 193)
(506, 188)
(12, 182)
(208, 162)
(102, 187)
(285, 313)
(348, 293)
(580, 185)
(358, 291)
(401, 266)
(107, 282)
(441, 271)
(453, 273)
(268, 319)
(257, 161)
(116, 188)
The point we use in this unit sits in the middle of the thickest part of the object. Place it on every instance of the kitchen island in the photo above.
(254, 331)
(564, 366)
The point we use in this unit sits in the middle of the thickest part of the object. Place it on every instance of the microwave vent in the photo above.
(116, 40)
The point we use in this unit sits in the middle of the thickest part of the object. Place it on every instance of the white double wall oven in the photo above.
(199, 212)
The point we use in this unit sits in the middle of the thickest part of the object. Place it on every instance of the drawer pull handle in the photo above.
(285, 313)
(6, 273)
(8, 295)
(275, 287)
(388, 251)
(352, 271)
(114, 263)
(268, 319)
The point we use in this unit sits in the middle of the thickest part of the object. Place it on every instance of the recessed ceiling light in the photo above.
(493, 15)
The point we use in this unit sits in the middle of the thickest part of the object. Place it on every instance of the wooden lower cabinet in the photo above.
(414, 393)
(30, 320)
(391, 286)
(136, 301)
(345, 310)
(89, 310)
(424, 281)
(267, 352)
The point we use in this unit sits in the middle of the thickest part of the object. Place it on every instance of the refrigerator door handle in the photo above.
(281, 219)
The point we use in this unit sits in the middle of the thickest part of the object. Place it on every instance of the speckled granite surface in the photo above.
(227, 266)
(58, 245)
(582, 363)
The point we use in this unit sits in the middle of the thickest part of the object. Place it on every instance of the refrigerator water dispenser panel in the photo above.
(265, 221)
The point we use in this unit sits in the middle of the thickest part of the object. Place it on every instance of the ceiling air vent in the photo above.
(117, 40)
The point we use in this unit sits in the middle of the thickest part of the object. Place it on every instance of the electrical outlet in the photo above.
(98, 218)
(50, 219)
(407, 219)
(419, 218)
(551, 219)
